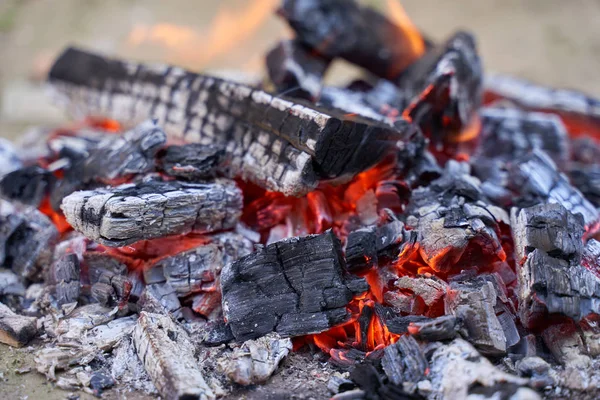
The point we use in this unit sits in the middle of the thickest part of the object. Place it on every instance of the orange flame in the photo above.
(229, 29)
(399, 17)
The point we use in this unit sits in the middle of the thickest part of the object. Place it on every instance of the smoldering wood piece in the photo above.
(555, 285)
(124, 214)
(197, 270)
(9, 157)
(590, 332)
(449, 77)
(474, 303)
(366, 246)
(192, 161)
(293, 287)
(16, 330)
(27, 239)
(458, 371)
(296, 70)
(430, 289)
(566, 345)
(586, 178)
(276, 142)
(550, 228)
(166, 352)
(532, 96)
(360, 35)
(404, 363)
(82, 319)
(452, 213)
(339, 384)
(64, 277)
(507, 133)
(256, 360)
(394, 321)
(441, 328)
(27, 185)
(534, 179)
(106, 336)
(556, 273)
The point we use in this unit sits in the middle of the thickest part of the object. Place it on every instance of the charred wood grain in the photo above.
(125, 214)
(293, 287)
(165, 350)
(27, 185)
(360, 35)
(273, 141)
(404, 363)
(64, 277)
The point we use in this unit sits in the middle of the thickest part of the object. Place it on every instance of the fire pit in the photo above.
(426, 232)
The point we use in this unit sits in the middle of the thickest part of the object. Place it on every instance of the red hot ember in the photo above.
(408, 225)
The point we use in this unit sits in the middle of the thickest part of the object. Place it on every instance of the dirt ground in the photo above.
(552, 42)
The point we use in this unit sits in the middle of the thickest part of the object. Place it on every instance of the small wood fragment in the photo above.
(16, 330)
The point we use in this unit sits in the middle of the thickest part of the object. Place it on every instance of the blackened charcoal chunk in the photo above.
(343, 28)
(474, 303)
(128, 213)
(404, 362)
(508, 133)
(16, 330)
(293, 287)
(296, 70)
(552, 284)
(583, 170)
(28, 238)
(550, 228)
(27, 185)
(534, 179)
(192, 161)
(64, 276)
(361, 250)
(441, 328)
(448, 81)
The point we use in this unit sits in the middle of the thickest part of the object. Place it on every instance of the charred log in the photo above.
(192, 161)
(273, 141)
(532, 96)
(360, 35)
(164, 349)
(64, 277)
(128, 213)
(293, 287)
(27, 185)
(441, 328)
(548, 242)
(295, 70)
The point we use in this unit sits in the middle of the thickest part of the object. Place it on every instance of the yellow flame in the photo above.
(229, 29)
(399, 17)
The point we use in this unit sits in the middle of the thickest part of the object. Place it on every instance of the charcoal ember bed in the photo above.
(425, 232)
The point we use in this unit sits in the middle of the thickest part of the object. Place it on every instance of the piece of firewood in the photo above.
(167, 354)
(404, 362)
(274, 141)
(125, 214)
(360, 35)
(192, 161)
(16, 330)
(293, 287)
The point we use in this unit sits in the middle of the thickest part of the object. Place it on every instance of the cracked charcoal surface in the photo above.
(125, 214)
(193, 161)
(275, 142)
(293, 287)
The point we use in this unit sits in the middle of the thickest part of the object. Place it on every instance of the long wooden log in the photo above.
(278, 143)
(125, 214)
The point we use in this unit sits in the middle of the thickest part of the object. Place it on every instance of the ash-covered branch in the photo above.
(273, 141)
(125, 214)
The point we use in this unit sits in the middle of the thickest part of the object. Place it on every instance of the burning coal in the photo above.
(431, 232)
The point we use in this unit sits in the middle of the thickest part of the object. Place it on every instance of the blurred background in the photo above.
(552, 42)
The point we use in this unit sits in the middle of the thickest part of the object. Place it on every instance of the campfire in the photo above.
(424, 232)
